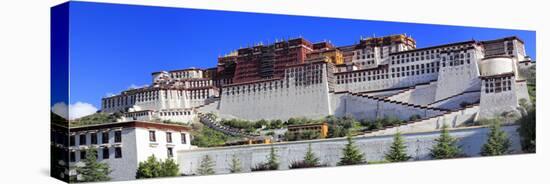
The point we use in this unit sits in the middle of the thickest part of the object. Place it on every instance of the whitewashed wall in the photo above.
(330, 150)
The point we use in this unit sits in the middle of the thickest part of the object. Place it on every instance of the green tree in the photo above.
(169, 168)
(150, 168)
(153, 168)
(351, 154)
(310, 159)
(527, 131)
(235, 165)
(446, 146)
(93, 170)
(497, 142)
(207, 166)
(398, 150)
(272, 161)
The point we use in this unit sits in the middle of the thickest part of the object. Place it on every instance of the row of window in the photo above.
(175, 113)
(94, 137)
(362, 76)
(153, 137)
(105, 153)
(186, 74)
(426, 52)
(497, 85)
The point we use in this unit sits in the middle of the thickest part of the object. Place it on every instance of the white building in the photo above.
(384, 76)
(123, 145)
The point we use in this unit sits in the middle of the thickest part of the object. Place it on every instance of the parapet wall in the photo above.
(330, 150)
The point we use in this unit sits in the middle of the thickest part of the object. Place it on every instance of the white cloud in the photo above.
(60, 109)
(133, 86)
(76, 110)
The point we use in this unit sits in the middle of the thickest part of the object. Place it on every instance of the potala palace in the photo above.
(376, 77)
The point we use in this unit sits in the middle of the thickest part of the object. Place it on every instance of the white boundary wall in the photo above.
(330, 150)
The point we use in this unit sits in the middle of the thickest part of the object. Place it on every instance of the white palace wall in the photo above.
(365, 107)
(330, 150)
(459, 72)
(304, 92)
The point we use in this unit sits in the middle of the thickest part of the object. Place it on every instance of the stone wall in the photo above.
(330, 150)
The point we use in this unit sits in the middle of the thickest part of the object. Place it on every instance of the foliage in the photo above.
(276, 124)
(207, 137)
(379, 162)
(342, 126)
(527, 131)
(351, 154)
(93, 170)
(398, 150)
(96, 118)
(446, 146)
(252, 126)
(153, 168)
(386, 121)
(415, 117)
(497, 142)
(304, 135)
(206, 166)
(310, 160)
(169, 168)
(485, 121)
(235, 165)
(271, 164)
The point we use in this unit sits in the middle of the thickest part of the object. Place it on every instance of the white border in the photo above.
(24, 70)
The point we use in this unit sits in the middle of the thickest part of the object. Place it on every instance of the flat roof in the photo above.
(135, 124)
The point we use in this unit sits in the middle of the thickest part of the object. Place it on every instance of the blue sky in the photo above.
(115, 46)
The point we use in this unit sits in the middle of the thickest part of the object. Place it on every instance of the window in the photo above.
(118, 136)
(152, 136)
(82, 140)
(105, 153)
(118, 152)
(93, 138)
(170, 152)
(183, 138)
(168, 137)
(72, 156)
(71, 140)
(105, 137)
(82, 154)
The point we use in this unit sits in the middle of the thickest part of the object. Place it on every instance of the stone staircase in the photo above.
(452, 118)
(211, 122)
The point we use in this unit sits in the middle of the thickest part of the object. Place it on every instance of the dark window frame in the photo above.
(118, 136)
(105, 153)
(118, 152)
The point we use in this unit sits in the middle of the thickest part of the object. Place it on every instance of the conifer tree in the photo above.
(272, 162)
(206, 166)
(446, 146)
(310, 159)
(398, 150)
(497, 142)
(235, 165)
(351, 154)
(93, 170)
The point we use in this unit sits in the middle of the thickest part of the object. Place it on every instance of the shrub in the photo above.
(271, 164)
(398, 150)
(351, 154)
(153, 168)
(497, 143)
(206, 166)
(310, 160)
(527, 131)
(446, 146)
